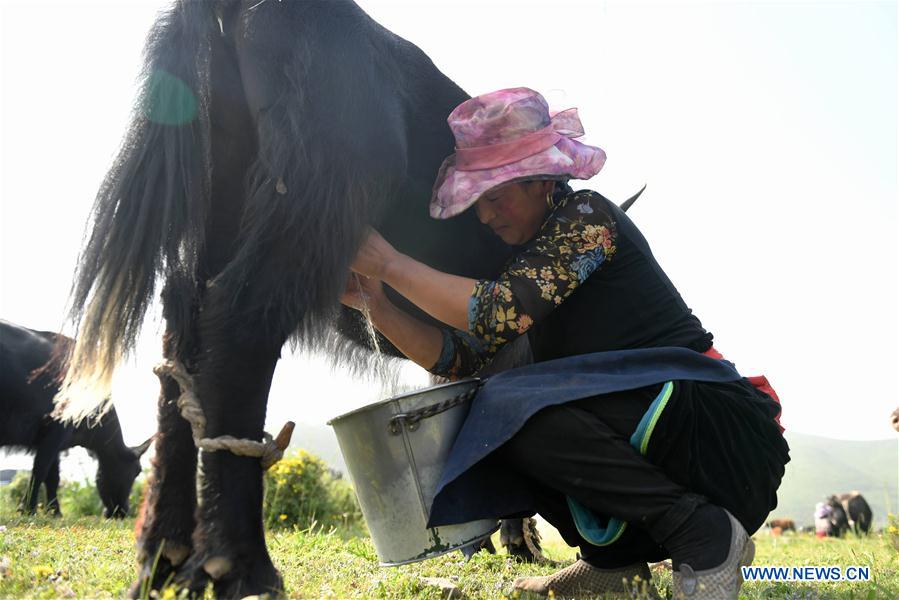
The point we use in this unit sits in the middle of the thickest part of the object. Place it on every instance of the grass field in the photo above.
(41, 557)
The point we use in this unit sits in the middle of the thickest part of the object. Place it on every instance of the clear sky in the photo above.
(766, 132)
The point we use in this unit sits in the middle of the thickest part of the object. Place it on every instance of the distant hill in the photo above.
(818, 467)
(823, 466)
(321, 441)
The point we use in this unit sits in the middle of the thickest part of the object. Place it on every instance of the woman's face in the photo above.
(515, 211)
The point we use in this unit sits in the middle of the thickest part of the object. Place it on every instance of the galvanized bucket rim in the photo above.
(431, 555)
(368, 407)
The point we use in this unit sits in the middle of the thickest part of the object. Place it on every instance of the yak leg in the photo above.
(521, 539)
(45, 457)
(166, 522)
(234, 362)
(29, 501)
(472, 549)
(52, 485)
(234, 373)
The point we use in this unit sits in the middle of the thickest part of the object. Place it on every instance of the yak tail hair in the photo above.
(147, 216)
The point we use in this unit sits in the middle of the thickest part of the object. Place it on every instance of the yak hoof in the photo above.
(175, 553)
(150, 579)
(472, 549)
(217, 567)
(267, 584)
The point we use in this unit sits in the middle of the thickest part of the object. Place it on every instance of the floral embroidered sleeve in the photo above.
(576, 240)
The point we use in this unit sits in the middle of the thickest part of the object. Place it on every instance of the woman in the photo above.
(629, 433)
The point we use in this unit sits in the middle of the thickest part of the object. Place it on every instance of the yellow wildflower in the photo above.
(169, 593)
(42, 571)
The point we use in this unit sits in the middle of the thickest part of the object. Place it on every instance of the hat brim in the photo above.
(455, 190)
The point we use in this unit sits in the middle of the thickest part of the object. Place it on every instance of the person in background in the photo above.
(822, 519)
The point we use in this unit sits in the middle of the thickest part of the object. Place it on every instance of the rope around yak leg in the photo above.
(269, 451)
(532, 539)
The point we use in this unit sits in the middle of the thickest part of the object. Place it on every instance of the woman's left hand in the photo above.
(373, 256)
(443, 296)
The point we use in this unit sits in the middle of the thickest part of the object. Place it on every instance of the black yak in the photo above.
(28, 383)
(268, 136)
(856, 511)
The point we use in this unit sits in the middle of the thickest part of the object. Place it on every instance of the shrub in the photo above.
(14, 493)
(76, 499)
(301, 491)
(137, 494)
(83, 500)
(892, 530)
(80, 499)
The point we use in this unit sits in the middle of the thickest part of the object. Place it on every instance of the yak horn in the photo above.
(627, 203)
(139, 450)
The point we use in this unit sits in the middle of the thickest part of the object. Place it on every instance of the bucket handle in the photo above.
(412, 418)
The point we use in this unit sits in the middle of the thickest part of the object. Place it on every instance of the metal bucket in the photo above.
(395, 451)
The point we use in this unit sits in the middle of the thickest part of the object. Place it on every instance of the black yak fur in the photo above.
(266, 138)
(330, 124)
(850, 511)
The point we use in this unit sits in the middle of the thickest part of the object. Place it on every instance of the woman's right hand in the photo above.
(374, 256)
(363, 293)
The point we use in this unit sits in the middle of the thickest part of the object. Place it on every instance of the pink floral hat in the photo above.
(509, 135)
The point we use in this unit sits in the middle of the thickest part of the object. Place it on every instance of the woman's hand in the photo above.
(443, 296)
(419, 341)
(374, 255)
(363, 293)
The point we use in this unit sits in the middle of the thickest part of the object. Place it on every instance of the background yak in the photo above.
(28, 383)
(852, 511)
(782, 524)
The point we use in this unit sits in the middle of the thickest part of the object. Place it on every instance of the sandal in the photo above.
(583, 579)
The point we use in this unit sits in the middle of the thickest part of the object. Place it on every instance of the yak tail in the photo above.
(146, 218)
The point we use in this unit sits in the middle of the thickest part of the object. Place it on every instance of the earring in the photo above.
(549, 201)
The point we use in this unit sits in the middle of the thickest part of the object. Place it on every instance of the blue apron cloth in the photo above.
(472, 488)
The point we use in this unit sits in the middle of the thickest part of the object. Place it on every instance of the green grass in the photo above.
(42, 557)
